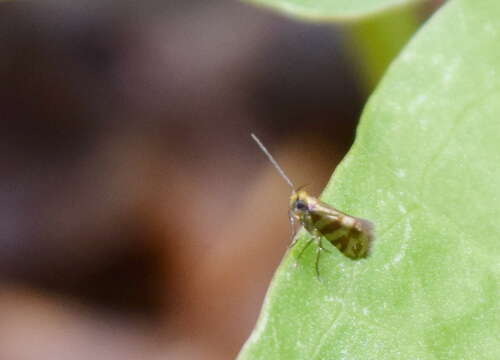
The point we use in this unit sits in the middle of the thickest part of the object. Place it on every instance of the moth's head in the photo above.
(300, 202)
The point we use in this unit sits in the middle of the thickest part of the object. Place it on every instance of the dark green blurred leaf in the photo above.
(331, 10)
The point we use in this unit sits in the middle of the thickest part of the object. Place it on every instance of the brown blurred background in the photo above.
(137, 217)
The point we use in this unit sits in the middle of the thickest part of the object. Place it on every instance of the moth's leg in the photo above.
(320, 245)
(302, 251)
(316, 264)
(314, 234)
(293, 232)
(319, 249)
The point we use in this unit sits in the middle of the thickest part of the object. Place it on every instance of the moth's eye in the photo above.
(300, 205)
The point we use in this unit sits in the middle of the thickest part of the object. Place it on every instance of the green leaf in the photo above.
(425, 168)
(332, 10)
(376, 40)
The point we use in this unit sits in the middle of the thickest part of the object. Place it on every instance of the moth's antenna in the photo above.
(274, 162)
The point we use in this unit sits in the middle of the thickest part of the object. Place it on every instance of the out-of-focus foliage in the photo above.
(331, 10)
(424, 169)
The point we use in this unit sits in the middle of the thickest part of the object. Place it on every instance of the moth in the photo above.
(352, 236)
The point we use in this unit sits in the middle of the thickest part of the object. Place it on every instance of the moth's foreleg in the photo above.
(293, 232)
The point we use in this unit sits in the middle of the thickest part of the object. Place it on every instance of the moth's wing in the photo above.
(354, 242)
(360, 239)
(325, 220)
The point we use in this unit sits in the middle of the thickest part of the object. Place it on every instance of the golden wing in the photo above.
(351, 235)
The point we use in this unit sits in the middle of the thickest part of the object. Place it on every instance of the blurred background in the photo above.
(137, 217)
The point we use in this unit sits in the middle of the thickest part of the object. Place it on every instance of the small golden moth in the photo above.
(351, 235)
